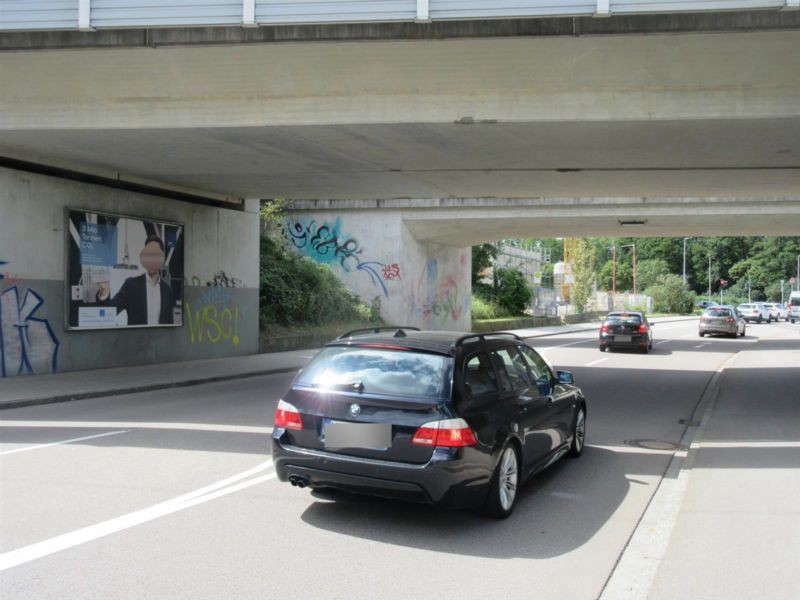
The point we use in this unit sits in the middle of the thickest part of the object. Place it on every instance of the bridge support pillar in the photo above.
(421, 284)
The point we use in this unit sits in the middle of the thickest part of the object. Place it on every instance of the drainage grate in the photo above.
(653, 445)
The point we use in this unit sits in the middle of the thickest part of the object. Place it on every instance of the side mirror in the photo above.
(565, 377)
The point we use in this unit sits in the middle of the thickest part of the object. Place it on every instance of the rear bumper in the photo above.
(637, 341)
(452, 478)
(718, 329)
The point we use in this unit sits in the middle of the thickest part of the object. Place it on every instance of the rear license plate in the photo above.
(341, 434)
(622, 338)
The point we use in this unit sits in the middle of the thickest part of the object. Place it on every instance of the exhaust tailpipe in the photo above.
(298, 481)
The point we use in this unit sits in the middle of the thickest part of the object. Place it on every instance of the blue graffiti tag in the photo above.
(27, 344)
(326, 244)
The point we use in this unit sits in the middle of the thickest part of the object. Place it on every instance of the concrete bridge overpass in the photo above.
(408, 141)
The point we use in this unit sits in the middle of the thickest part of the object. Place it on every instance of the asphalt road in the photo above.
(170, 494)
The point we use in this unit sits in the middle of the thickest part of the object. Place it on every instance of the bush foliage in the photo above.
(295, 290)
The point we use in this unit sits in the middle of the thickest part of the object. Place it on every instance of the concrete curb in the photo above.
(120, 391)
(139, 388)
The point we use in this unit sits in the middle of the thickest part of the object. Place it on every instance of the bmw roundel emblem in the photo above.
(355, 410)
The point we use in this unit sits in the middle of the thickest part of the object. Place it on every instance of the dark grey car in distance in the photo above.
(451, 419)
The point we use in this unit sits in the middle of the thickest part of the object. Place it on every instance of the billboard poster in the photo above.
(123, 271)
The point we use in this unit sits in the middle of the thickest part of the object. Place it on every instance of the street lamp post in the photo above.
(709, 277)
(634, 266)
(798, 273)
(613, 277)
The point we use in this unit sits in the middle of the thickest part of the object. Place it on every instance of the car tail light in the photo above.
(642, 328)
(450, 432)
(731, 320)
(604, 327)
(287, 416)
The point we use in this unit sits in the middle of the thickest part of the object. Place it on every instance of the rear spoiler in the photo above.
(399, 331)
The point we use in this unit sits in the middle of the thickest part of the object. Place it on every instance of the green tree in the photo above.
(671, 295)
(624, 276)
(512, 291)
(649, 270)
(583, 272)
(483, 256)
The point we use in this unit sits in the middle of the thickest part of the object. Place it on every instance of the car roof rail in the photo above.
(482, 337)
(399, 331)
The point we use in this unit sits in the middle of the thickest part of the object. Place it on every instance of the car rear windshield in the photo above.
(718, 312)
(626, 319)
(377, 370)
(747, 306)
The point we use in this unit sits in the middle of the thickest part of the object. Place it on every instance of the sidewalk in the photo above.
(724, 522)
(77, 385)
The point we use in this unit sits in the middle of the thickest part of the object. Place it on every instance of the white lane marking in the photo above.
(583, 341)
(691, 324)
(93, 532)
(596, 362)
(746, 445)
(80, 439)
(662, 342)
(702, 345)
(137, 425)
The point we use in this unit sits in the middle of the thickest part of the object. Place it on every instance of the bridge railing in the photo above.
(32, 15)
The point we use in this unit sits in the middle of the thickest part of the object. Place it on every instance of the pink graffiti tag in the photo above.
(391, 272)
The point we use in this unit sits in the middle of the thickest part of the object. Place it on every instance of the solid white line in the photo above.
(662, 342)
(584, 341)
(93, 532)
(596, 362)
(702, 345)
(747, 445)
(80, 439)
(138, 425)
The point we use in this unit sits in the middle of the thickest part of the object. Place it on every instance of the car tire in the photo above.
(602, 348)
(769, 319)
(759, 319)
(578, 433)
(744, 331)
(645, 350)
(702, 334)
(504, 485)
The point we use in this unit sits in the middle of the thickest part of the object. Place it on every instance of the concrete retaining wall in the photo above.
(32, 248)
(420, 284)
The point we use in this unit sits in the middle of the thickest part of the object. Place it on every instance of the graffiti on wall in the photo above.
(28, 344)
(215, 318)
(326, 244)
(7, 277)
(219, 279)
(439, 297)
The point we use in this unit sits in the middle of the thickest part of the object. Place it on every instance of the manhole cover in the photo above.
(653, 444)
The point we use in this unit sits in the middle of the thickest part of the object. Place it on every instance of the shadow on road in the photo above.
(557, 511)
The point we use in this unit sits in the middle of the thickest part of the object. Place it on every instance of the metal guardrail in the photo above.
(89, 15)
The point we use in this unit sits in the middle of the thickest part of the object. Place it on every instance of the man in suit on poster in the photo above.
(147, 298)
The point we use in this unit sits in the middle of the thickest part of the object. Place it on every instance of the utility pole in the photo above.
(782, 300)
(709, 277)
(798, 273)
(634, 265)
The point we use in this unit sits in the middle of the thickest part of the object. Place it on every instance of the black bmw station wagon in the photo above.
(456, 420)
